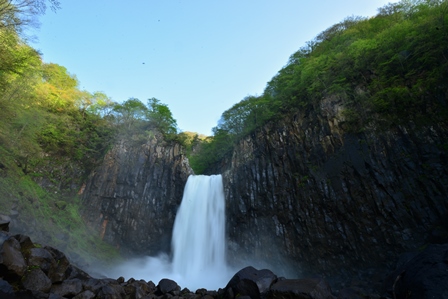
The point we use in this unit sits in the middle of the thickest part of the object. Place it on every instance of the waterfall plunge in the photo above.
(199, 229)
(198, 242)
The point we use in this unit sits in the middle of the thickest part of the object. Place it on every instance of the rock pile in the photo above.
(29, 270)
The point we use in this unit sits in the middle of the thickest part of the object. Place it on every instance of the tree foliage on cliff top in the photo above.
(386, 70)
(53, 134)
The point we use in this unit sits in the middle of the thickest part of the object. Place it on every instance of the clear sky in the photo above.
(197, 56)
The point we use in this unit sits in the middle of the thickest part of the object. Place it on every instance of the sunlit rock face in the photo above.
(302, 194)
(132, 198)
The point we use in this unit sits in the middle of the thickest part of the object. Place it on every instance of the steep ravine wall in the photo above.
(132, 198)
(304, 195)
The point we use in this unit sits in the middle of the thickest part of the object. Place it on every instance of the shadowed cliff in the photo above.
(304, 194)
(131, 200)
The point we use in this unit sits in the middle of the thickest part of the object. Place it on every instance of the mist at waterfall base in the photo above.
(198, 242)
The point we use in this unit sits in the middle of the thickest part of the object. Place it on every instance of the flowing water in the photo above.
(199, 230)
(198, 242)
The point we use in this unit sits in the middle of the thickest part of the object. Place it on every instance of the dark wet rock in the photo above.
(36, 280)
(94, 284)
(24, 241)
(167, 286)
(6, 290)
(59, 272)
(55, 296)
(67, 288)
(85, 295)
(424, 276)
(300, 289)
(11, 258)
(4, 223)
(250, 282)
(74, 272)
(112, 291)
(40, 257)
(139, 288)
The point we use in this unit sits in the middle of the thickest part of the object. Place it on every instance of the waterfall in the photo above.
(199, 229)
(198, 241)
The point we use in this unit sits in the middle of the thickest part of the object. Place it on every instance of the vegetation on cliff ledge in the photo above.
(387, 70)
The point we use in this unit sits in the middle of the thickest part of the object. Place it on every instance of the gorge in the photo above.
(337, 175)
(303, 197)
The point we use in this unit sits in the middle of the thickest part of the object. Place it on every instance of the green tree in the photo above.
(15, 14)
(130, 112)
(159, 115)
(58, 89)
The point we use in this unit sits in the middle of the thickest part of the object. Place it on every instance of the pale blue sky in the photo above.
(199, 56)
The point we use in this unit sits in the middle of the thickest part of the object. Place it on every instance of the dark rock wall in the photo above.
(131, 200)
(304, 195)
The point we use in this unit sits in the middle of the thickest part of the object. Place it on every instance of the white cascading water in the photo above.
(198, 241)
(199, 231)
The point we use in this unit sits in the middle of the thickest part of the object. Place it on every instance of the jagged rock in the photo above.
(67, 288)
(250, 282)
(58, 272)
(11, 257)
(40, 257)
(25, 242)
(167, 286)
(6, 290)
(94, 284)
(85, 295)
(74, 272)
(136, 289)
(424, 276)
(300, 289)
(54, 296)
(36, 280)
(112, 291)
(4, 223)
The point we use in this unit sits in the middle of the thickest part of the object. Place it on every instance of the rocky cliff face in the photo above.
(132, 198)
(304, 195)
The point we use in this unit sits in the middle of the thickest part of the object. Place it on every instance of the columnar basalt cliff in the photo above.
(306, 195)
(132, 198)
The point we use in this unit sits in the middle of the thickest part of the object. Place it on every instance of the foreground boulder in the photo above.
(250, 282)
(421, 276)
